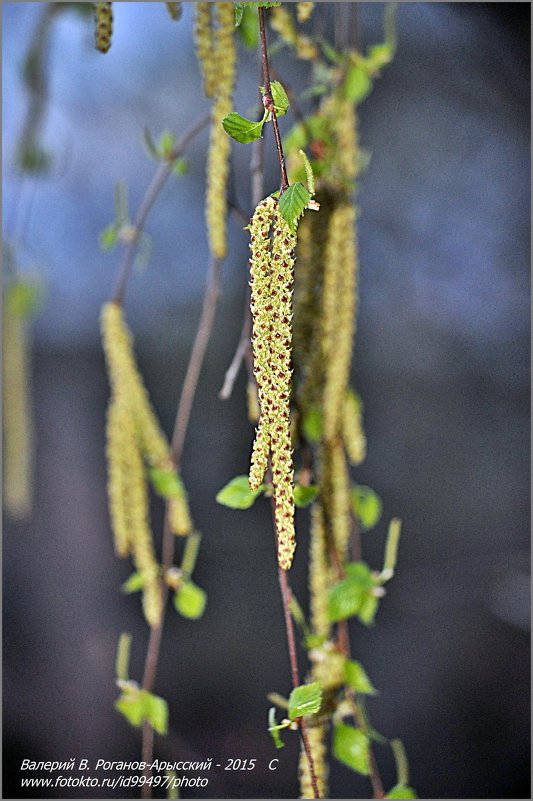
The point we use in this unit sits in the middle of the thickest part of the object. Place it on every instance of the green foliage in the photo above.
(138, 705)
(305, 495)
(357, 84)
(274, 727)
(166, 483)
(293, 202)
(107, 238)
(305, 700)
(133, 584)
(354, 595)
(312, 424)
(241, 129)
(351, 747)
(367, 506)
(249, 27)
(356, 678)
(237, 493)
(279, 97)
(241, 8)
(190, 600)
(401, 791)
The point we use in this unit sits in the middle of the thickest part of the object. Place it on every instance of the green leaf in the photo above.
(241, 129)
(166, 145)
(305, 700)
(360, 573)
(248, 27)
(356, 677)
(312, 423)
(239, 11)
(107, 238)
(166, 483)
(181, 167)
(303, 496)
(351, 595)
(368, 609)
(155, 711)
(274, 727)
(190, 600)
(367, 506)
(350, 746)
(357, 84)
(279, 98)
(237, 493)
(133, 584)
(131, 705)
(293, 202)
(401, 791)
(378, 56)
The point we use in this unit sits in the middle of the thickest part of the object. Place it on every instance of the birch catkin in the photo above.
(272, 245)
(103, 16)
(316, 734)
(223, 57)
(204, 39)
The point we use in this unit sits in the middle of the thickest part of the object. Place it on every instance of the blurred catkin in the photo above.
(204, 39)
(103, 17)
(316, 734)
(17, 419)
(282, 22)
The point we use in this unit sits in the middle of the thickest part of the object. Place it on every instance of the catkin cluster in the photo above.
(17, 419)
(282, 22)
(215, 47)
(103, 17)
(272, 246)
(135, 442)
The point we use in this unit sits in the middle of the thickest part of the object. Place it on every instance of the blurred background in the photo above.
(441, 362)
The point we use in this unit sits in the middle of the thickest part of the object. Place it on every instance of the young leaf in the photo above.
(166, 483)
(303, 496)
(190, 600)
(401, 791)
(131, 705)
(357, 679)
(357, 84)
(241, 129)
(279, 97)
(107, 239)
(23, 299)
(181, 167)
(293, 202)
(274, 727)
(367, 506)
(350, 746)
(133, 584)
(368, 609)
(312, 424)
(155, 711)
(237, 493)
(305, 700)
(352, 595)
(248, 27)
(239, 11)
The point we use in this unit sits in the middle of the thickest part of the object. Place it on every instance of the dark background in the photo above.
(442, 364)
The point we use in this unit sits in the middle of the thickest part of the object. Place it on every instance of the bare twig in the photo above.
(162, 173)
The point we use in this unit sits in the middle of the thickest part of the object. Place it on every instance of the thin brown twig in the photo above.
(162, 173)
(269, 103)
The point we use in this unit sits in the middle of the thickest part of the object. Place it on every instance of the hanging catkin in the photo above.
(316, 734)
(17, 418)
(272, 245)
(223, 57)
(205, 46)
(103, 17)
(282, 22)
(353, 432)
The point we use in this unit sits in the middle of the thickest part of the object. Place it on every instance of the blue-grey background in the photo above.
(442, 363)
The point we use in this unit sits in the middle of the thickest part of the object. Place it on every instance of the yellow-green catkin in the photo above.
(336, 495)
(224, 57)
(282, 22)
(179, 516)
(120, 438)
(304, 11)
(204, 39)
(271, 282)
(103, 17)
(319, 574)
(338, 312)
(17, 417)
(316, 734)
(353, 432)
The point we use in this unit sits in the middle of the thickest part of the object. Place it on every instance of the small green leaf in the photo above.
(181, 167)
(23, 299)
(350, 746)
(367, 506)
(378, 56)
(357, 84)
(131, 705)
(241, 129)
(305, 700)
(312, 424)
(107, 238)
(279, 98)
(155, 711)
(166, 483)
(190, 600)
(351, 595)
(368, 609)
(239, 11)
(133, 584)
(360, 573)
(356, 678)
(249, 28)
(293, 202)
(303, 496)
(401, 791)
(274, 727)
(166, 145)
(237, 493)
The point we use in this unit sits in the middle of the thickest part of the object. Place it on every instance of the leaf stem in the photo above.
(268, 102)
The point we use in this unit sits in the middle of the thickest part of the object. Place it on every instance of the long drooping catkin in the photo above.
(204, 39)
(223, 56)
(272, 245)
(335, 482)
(17, 418)
(353, 433)
(120, 437)
(103, 16)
